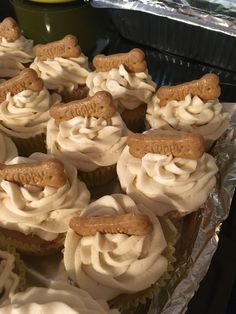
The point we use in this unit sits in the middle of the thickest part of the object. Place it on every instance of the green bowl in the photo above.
(44, 22)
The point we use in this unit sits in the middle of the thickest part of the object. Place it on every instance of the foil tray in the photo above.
(199, 30)
(211, 14)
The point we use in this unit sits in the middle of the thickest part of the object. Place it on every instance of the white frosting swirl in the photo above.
(107, 265)
(8, 279)
(26, 114)
(166, 183)
(44, 212)
(8, 149)
(57, 299)
(191, 115)
(88, 143)
(13, 55)
(60, 73)
(129, 89)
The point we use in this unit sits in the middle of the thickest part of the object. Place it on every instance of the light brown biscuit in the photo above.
(9, 29)
(182, 145)
(206, 88)
(131, 224)
(66, 47)
(27, 80)
(134, 61)
(45, 173)
(98, 106)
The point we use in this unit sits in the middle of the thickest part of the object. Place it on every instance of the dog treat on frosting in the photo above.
(134, 61)
(46, 173)
(130, 224)
(9, 29)
(206, 88)
(100, 105)
(182, 145)
(27, 79)
(66, 47)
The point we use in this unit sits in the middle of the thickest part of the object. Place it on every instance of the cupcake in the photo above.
(126, 77)
(38, 196)
(8, 149)
(167, 171)
(16, 51)
(89, 134)
(115, 247)
(57, 299)
(12, 274)
(190, 107)
(24, 111)
(63, 67)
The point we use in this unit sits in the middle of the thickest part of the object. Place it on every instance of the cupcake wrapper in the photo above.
(128, 303)
(32, 247)
(28, 146)
(98, 177)
(135, 119)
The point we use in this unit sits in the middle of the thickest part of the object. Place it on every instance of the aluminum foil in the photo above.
(216, 15)
(191, 267)
(198, 240)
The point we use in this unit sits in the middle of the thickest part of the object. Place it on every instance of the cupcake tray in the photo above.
(197, 240)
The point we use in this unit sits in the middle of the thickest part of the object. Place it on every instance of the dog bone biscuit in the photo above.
(46, 173)
(134, 61)
(100, 105)
(206, 88)
(9, 29)
(185, 145)
(130, 224)
(27, 79)
(66, 47)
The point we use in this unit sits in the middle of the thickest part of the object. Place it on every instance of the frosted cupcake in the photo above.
(8, 149)
(58, 298)
(191, 107)
(126, 77)
(24, 111)
(115, 247)
(167, 172)
(12, 274)
(90, 134)
(16, 52)
(38, 196)
(63, 67)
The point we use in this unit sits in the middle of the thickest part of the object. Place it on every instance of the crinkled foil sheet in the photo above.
(216, 15)
(197, 242)
(199, 234)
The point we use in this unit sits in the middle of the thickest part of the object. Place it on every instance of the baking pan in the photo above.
(182, 39)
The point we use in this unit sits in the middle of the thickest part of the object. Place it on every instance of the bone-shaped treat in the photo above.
(130, 224)
(134, 61)
(98, 106)
(206, 88)
(27, 80)
(182, 145)
(45, 173)
(66, 47)
(9, 29)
